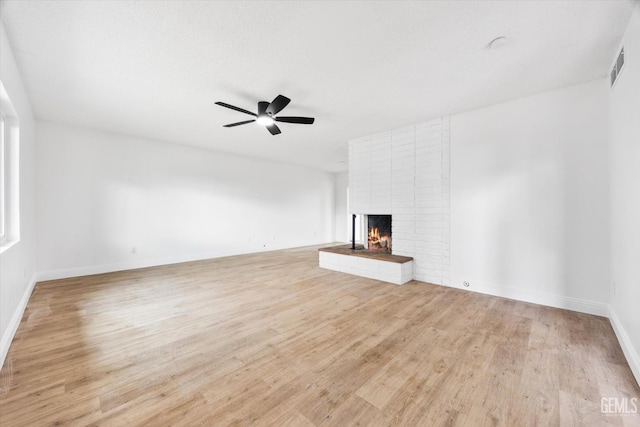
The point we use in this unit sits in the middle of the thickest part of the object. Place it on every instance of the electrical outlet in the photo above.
(134, 250)
(465, 284)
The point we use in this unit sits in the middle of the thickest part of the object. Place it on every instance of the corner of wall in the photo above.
(18, 262)
(624, 202)
(632, 356)
(12, 327)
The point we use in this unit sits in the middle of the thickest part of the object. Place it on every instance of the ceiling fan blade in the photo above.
(262, 108)
(300, 120)
(238, 124)
(273, 129)
(277, 105)
(222, 104)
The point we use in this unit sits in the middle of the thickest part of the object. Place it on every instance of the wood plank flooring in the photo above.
(271, 339)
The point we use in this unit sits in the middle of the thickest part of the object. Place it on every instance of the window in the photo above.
(9, 162)
(2, 166)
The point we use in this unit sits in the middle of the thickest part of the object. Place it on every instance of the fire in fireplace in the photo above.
(379, 233)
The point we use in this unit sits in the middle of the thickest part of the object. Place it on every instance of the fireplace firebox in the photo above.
(379, 233)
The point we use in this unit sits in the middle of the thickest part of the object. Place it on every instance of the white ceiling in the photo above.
(154, 69)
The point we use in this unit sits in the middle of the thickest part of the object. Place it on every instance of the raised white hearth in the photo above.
(389, 268)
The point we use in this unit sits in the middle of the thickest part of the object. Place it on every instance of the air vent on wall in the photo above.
(617, 67)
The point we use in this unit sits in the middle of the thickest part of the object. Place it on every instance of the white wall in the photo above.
(102, 197)
(529, 198)
(17, 264)
(625, 197)
(343, 219)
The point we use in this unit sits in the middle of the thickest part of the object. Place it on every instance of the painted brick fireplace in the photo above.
(404, 173)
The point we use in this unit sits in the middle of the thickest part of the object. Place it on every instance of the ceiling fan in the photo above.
(267, 114)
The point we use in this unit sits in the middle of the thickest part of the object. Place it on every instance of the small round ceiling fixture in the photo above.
(498, 42)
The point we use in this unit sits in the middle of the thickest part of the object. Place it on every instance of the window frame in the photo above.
(3, 172)
(9, 173)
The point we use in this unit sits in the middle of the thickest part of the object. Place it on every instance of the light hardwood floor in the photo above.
(271, 339)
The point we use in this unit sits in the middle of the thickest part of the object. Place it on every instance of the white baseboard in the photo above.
(543, 298)
(7, 337)
(550, 300)
(573, 304)
(633, 359)
(67, 273)
(12, 328)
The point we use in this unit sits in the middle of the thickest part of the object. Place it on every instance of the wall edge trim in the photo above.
(630, 353)
(542, 298)
(14, 323)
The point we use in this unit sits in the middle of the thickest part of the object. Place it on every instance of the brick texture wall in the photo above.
(405, 173)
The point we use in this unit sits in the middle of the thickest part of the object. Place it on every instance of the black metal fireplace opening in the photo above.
(379, 233)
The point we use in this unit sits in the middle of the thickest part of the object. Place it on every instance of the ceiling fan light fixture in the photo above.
(265, 120)
(266, 115)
